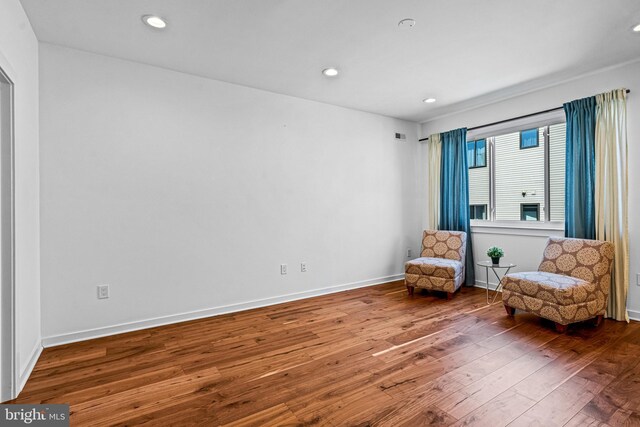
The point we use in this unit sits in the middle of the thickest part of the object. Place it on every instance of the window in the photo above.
(477, 153)
(530, 212)
(478, 211)
(524, 175)
(529, 139)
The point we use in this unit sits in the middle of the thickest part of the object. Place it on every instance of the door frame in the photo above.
(9, 374)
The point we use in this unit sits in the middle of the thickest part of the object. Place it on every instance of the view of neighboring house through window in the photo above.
(519, 176)
(477, 153)
(478, 211)
(529, 138)
(530, 212)
(478, 179)
(557, 155)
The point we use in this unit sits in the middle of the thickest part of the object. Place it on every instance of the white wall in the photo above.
(186, 194)
(19, 59)
(529, 249)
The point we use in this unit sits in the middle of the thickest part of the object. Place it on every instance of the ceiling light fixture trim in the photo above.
(154, 21)
(429, 100)
(330, 72)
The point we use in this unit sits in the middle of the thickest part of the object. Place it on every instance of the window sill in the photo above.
(518, 228)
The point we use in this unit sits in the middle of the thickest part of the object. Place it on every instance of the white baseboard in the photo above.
(634, 315)
(24, 375)
(88, 334)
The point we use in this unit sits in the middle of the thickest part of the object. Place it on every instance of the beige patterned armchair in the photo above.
(571, 285)
(441, 263)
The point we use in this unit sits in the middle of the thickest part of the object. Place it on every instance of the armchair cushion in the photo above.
(444, 244)
(436, 267)
(551, 287)
(589, 260)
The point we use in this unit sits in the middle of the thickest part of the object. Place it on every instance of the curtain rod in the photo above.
(511, 119)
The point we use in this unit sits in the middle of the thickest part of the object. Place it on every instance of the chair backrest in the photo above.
(444, 244)
(589, 260)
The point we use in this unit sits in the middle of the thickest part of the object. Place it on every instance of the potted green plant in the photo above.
(495, 253)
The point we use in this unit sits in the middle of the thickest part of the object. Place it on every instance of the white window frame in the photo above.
(490, 225)
(9, 357)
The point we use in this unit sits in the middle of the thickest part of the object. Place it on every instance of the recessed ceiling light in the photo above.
(636, 29)
(154, 21)
(429, 100)
(330, 72)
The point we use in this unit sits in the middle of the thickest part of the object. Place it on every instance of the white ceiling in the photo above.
(461, 52)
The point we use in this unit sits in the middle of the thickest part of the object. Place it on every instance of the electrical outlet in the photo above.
(408, 253)
(103, 291)
(303, 267)
(283, 268)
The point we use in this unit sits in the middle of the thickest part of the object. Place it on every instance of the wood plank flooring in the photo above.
(371, 356)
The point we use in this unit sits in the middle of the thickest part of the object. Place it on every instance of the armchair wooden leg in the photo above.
(510, 310)
(449, 296)
(598, 320)
(410, 290)
(561, 328)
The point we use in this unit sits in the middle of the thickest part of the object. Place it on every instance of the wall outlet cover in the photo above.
(103, 291)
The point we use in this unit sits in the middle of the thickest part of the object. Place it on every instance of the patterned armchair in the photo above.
(571, 285)
(441, 263)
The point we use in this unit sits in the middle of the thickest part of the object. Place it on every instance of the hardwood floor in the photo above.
(372, 356)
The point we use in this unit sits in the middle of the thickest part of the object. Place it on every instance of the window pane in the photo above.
(470, 154)
(480, 153)
(529, 138)
(519, 176)
(530, 213)
(557, 154)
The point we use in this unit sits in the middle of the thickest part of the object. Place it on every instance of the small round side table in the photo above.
(490, 265)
